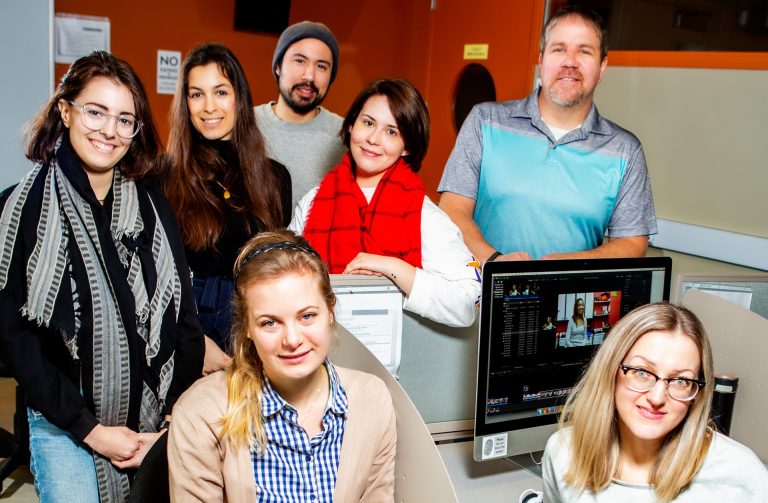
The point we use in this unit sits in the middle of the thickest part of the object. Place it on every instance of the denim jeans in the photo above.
(63, 467)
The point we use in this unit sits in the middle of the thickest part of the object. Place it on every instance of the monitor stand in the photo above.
(527, 463)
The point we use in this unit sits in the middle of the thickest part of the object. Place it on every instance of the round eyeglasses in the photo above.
(96, 119)
(679, 388)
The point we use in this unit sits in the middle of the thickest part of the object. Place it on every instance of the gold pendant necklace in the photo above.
(227, 195)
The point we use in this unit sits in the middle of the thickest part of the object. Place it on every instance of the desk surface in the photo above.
(499, 481)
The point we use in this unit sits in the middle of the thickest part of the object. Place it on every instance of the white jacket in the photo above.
(446, 288)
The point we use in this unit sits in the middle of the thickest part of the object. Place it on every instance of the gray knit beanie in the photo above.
(300, 31)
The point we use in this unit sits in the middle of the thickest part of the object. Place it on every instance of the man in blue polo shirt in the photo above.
(547, 176)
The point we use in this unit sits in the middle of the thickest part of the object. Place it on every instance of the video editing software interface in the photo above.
(544, 328)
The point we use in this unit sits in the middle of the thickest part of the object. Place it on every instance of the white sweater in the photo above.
(731, 473)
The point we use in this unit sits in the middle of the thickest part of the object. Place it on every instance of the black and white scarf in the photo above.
(66, 215)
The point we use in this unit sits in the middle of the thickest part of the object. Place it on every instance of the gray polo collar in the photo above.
(529, 109)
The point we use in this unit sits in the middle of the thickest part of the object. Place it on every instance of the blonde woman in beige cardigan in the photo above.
(283, 423)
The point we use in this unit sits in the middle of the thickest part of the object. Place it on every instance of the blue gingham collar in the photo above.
(272, 402)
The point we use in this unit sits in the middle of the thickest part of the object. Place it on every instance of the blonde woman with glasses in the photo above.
(636, 428)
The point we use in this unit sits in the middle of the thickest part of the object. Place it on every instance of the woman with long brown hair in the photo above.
(97, 317)
(220, 181)
(576, 332)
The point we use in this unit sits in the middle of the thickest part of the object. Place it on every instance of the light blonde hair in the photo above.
(590, 410)
(265, 257)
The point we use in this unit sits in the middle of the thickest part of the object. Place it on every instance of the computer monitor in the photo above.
(528, 356)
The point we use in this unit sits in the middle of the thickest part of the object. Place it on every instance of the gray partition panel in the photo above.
(438, 364)
(438, 368)
(420, 475)
(739, 341)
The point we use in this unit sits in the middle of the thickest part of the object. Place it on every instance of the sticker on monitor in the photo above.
(494, 446)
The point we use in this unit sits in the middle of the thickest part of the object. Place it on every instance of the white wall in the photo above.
(26, 60)
(704, 136)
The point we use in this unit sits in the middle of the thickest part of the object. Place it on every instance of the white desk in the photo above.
(499, 480)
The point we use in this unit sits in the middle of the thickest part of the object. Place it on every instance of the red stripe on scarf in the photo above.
(341, 223)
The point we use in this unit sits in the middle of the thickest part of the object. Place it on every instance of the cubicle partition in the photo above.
(438, 369)
(748, 290)
(420, 475)
(437, 364)
(739, 341)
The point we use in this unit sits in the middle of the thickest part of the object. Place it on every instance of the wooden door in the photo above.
(510, 28)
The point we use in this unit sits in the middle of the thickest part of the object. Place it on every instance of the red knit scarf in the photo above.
(341, 223)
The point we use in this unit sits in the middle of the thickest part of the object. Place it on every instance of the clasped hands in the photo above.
(124, 447)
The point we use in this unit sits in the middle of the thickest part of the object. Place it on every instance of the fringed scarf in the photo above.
(66, 215)
(341, 223)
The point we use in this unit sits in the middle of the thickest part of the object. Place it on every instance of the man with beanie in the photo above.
(299, 133)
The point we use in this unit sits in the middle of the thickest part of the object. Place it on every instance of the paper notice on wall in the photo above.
(78, 36)
(168, 65)
(475, 51)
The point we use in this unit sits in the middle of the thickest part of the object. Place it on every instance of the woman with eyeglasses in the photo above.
(97, 317)
(220, 182)
(637, 428)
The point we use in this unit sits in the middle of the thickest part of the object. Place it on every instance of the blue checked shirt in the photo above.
(295, 468)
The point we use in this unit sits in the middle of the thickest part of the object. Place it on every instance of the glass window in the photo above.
(682, 25)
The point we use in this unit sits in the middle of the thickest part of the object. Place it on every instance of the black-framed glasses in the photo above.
(643, 380)
(96, 119)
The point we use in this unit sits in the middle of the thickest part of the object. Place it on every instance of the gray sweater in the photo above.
(308, 149)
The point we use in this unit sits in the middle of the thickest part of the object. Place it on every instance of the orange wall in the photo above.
(140, 28)
(511, 31)
(403, 39)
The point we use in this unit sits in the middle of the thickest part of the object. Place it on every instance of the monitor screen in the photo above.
(540, 323)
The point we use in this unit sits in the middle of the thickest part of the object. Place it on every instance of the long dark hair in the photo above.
(579, 316)
(193, 163)
(46, 128)
(407, 107)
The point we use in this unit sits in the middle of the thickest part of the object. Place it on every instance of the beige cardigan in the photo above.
(203, 469)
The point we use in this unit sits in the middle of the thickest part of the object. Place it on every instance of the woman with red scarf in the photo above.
(371, 215)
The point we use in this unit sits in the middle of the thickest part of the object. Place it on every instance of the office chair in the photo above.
(14, 447)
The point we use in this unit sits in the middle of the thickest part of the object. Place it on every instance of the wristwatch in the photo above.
(164, 424)
(493, 256)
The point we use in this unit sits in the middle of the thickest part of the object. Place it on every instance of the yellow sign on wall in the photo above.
(475, 51)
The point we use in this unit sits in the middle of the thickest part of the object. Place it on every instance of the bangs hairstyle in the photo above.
(407, 107)
(242, 421)
(194, 163)
(589, 16)
(590, 410)
(47, 127)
